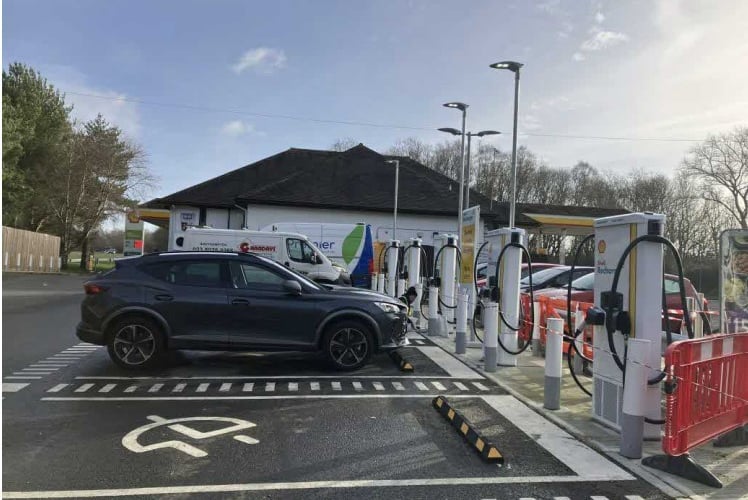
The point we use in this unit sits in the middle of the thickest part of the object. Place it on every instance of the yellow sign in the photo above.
(470, 221)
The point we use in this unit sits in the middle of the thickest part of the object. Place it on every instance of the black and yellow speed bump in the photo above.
(487, 450)
(401, 362)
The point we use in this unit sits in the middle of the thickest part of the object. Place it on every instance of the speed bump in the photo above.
(488, 451)
(401, 362)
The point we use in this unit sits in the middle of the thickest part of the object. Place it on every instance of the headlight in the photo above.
(387, 307)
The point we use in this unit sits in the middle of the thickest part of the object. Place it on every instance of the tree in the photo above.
(721, 163)
(343, 144)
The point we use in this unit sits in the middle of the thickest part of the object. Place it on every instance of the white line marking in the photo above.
(33, 372)
(449, 363)
(225, 387)
(421, 386)
(58, 388)
(554, 439)
(293, 386)
(359, 387)
(461, 386)
(41, 368)
(44, 364)
(336, 386)
(633, 497)
(13, 386)
(398, 386)
(179, 387)
(438, 386)
(480, 386)
(231, 398)
(561, 498)
(597, 497)
(51, 362)
(314, 386)
(84, 387)
(378, 386)
(64, 358)
(107, 387)
(305, 485)
(272, 377)
(270, 387)
(24, 377)
(155, 387)
(132, 388)
(248, 387)
(527, 498)
(202, 388)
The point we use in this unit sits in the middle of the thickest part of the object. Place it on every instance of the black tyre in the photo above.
(348, 345)
(136, 343)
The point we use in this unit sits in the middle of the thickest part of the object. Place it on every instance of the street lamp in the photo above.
(514, 67)
(397, 182)
(462, 107)
(469, 135)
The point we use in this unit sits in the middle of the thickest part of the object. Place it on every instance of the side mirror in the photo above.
(292, 287)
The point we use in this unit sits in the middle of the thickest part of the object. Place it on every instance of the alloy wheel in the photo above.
(134, 344)
(348, 347)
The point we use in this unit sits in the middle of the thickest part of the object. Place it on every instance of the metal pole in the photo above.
(462, 178)
(467, 172)
(397, 183)
(512, 206)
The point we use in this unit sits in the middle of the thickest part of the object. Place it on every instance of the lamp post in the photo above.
(462, 107)
(469, 135)
(514, 67)
(397, 182)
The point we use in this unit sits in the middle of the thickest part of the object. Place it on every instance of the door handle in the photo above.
(239, 302)
(164, 298)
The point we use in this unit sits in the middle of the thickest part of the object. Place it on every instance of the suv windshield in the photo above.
(586, 282)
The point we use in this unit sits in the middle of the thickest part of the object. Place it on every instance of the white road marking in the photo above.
(270, 387)
(527, 498)
(58, 388)
(359, 387)
(155, 387)
(449, 363)
(378, 386)
(107, 387)
(480, 386)
(26, 371)
(597, 497)
(336, 386)
(461, 386)
(44, 364)
(271, 377)
(225, 387)
(132, 388)
(231, 398)
(438, 386)
(633, 497)
(398, 386)
(561, 498)
(179, 387)
(13, 386)
(24, 377)
(421, 386)
(574, 454)
(314, 386)
(293, 386)
(202, 388)
(84, 387)
(248, 387)
(305, 485)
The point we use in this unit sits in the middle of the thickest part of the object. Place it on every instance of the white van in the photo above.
(290, 249)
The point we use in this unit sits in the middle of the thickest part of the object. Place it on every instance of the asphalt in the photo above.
(299, 429)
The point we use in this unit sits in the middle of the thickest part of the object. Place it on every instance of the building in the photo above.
(357, 185)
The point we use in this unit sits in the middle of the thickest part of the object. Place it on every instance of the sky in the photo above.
(207, 87)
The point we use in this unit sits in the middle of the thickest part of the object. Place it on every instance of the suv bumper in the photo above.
(88, 334)
(394, 331)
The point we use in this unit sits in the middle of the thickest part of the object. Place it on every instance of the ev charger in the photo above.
(449, 275)
(393, 253)
(510, 272)
(414, 274)
(640, 283)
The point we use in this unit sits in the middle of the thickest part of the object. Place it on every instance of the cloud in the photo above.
(262, 60)
(601, 40)
(236, 128)
(578, 56)
(566, 30)
(599, 17)
(549, 6)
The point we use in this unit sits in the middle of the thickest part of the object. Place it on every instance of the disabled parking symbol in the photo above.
(130, 441)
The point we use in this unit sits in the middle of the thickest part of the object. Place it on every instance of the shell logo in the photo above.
(244, 247)
(133, 217)
(601, 246)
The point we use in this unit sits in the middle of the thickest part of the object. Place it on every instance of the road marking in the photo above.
(293, 386)
(461, 386)
(359, 387)
(398, 386)
(225, 387)
(179, 387)
(49, 366)
(314, 386)
(561, 498)
(378, 386)
(306, 485)
(597, 497)
(58, 388)
(554, 439)
(13, 386)
(449, 363)
(132, 388)
(438, 386)
(202, 388)
(84, 387)
(24, 377)
(231, 398)
(480, 386)
(270, 387)
(421, 386)
(32, 372)
(274, 377)
(633, 497)
(336, 386)
(248, 387)
(155, 387)
(107, 387)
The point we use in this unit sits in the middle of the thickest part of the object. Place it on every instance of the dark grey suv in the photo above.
(228, 301)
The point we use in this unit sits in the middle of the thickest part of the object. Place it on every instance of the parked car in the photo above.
(482, 281)
(553, 277)
(110, 250)
(232, 301)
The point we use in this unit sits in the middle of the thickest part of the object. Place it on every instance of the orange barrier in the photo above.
(556, 308)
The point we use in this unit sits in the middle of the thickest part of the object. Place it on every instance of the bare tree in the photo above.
(343, 144)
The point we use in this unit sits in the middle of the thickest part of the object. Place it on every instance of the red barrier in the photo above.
(557, 308)
(711, 391)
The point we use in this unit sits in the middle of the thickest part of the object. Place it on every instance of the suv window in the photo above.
(247, 275)
(187, 272)
(299, 250)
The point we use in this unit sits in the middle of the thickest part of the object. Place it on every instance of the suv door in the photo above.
(263, 314)
(192, 297)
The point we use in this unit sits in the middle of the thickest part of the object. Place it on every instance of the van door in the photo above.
(300, 257)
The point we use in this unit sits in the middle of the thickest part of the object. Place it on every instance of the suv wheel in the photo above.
(136, 343)
(348, 345)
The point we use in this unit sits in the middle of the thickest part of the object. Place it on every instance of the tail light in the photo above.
(94, 289)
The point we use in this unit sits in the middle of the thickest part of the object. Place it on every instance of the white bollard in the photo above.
(41, 262)
(417, 305)
(536, 331)
(18, 262)
(31, 262)
(381, 281)
(434, 318)
(491, 335)
(374, 282)
(59, 263)
(461, 327)
(554, 354)
(6, 260)
(634, 392)
(51, 264)
(400, 288)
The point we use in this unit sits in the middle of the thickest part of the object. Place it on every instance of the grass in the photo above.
(105, 262)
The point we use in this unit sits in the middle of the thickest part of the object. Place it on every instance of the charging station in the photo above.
(393, 255)
(445, 246)
(640, 295)
(414, 250)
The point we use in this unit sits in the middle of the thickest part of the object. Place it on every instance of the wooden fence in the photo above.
(28, 251)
